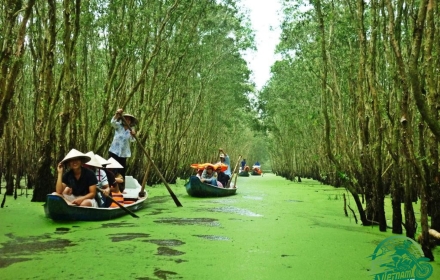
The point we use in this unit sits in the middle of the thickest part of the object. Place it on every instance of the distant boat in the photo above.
(57, 209)
(256, 171)
(196, 188)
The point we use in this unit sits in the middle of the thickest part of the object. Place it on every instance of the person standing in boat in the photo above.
(78, 185)
(120, 147)
(224, 158)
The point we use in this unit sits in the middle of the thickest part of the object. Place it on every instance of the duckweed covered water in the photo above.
(272, 229)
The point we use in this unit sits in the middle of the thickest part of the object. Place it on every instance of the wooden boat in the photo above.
(196, 188)
(243, 174)
(57, 209)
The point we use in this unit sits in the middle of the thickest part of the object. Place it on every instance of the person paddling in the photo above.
(120, 147)
(224, 159)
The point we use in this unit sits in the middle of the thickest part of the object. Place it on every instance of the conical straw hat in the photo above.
(102, 160)
(134, 120)
(93, 160)
(114, 163)
(75, 154)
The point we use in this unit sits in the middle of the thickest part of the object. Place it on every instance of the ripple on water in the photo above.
(235, 210)
(189, 221)
(213, 237)
(164, 242)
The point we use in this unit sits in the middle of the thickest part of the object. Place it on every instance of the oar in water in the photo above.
(119, 204)
(173, 196)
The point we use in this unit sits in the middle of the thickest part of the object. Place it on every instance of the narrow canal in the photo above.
(271, 229)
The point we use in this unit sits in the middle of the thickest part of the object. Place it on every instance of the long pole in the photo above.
(232, 174)
(144, 181)
(174, 197)
(119, 204)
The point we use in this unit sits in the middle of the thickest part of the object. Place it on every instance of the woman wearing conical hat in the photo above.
(120, 147)
(78, 184)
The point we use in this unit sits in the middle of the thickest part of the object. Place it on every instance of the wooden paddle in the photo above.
(232, 174)
(119, 204)
(144, 181)
(235, 180)
(154, 165)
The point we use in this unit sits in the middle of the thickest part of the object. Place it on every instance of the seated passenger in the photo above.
(94, 165)
(78, 185)
(112, 181)
(222, 178)
(199, 173)
(115, 166)
(209, 176)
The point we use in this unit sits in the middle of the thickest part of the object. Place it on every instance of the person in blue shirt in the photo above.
(120, 147)
(243, 164)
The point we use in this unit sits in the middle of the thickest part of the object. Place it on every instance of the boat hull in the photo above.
(57, 209)
(196, 188)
